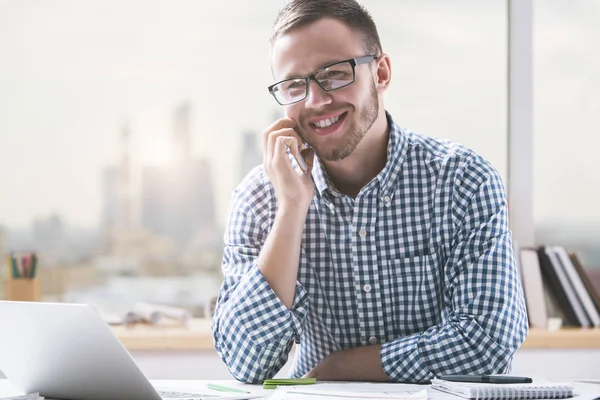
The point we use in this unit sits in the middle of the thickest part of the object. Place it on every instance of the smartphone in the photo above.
(300, 159)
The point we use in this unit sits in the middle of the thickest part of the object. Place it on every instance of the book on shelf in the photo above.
(581, 293)
(586, 280)
(552, 304)
(533, 287)
(568, 288)
(556, 288)
(556, 285)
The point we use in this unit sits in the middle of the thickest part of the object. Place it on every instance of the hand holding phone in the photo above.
(290, 175)
(300, 158)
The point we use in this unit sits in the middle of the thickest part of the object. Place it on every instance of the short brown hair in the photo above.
(299, 13)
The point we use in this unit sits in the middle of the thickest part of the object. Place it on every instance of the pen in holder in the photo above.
(21, 283)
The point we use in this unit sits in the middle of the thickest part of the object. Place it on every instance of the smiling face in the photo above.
(333, 123)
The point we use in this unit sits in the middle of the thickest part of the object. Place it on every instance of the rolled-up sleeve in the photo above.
(253, 330)
(485, 320)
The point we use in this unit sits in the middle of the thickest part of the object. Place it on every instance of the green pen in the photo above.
(273, 383)
(15, 268)
(222, 388)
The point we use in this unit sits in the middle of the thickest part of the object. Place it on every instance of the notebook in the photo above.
(349, 391)
(511, 391)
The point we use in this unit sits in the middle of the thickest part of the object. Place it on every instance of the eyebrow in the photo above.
(326, 64)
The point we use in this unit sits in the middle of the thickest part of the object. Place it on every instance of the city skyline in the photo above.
(74, 72)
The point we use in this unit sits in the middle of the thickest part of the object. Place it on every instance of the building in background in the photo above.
(178, 199)
(49, 232)
(117, 189)
(251, 154)
(2, 238)
(182, 130)
(110, 184)
(174, 243)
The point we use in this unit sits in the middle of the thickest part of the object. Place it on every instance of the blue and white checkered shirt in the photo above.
(420, 261)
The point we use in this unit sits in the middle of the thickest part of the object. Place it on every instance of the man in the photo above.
(390, 258)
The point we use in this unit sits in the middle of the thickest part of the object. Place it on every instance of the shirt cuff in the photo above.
(262, 313)
(402, 362)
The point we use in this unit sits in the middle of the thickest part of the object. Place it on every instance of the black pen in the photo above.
(486, 378)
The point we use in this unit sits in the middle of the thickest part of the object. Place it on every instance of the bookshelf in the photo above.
(556, 285)
(566, 338)
(198, 337)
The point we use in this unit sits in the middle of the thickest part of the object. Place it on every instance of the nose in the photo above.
(317, 97)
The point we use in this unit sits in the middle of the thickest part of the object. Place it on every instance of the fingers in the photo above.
(278, 139)
(292, 185)
(281, 160)
(281, 123)
(296, 151)
(272, 140)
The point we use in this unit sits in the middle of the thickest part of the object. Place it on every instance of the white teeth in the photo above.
(327, 122)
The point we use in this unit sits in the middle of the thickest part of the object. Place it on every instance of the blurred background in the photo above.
(125, 126)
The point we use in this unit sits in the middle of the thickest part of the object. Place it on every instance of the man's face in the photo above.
(352, 109)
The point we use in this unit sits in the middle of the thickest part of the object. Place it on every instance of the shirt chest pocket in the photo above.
(413, 295)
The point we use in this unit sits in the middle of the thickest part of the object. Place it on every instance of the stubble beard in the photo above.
(367, 117)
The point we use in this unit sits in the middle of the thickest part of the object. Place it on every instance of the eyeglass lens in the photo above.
(330, 78)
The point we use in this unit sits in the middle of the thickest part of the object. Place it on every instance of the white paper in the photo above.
(201, 394)
(326, 391)
(31, 396)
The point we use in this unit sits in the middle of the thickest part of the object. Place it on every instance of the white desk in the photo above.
(587, 391)
(6, 389)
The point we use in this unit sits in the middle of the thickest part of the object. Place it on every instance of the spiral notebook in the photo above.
(511, 391)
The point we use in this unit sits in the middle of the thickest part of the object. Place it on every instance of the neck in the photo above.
(352, 173)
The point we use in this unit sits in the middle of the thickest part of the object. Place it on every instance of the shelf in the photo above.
(566, 338)
(198, 337)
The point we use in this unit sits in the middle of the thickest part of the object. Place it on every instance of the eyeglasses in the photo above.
(332, 77)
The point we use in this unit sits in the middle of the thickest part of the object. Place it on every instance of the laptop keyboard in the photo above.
(185, 395)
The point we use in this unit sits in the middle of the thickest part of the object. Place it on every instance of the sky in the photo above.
(72, 73)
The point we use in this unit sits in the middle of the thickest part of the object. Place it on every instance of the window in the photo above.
(121, 143)
(449, 70)
(566, 126)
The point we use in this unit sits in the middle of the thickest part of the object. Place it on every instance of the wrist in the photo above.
(293, 211)
(289, 221)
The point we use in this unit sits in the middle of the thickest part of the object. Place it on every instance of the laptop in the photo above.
(67, 351)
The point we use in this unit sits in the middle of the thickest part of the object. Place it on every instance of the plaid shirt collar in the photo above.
(396, 152)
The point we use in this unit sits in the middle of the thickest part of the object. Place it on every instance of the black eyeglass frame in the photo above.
(312, 77)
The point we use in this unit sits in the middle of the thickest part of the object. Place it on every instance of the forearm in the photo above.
(484, 324)
(253, 331)
(280, 255)
(355, 364)
(457, 347)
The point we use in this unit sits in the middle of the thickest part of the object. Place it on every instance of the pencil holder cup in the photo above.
(22, 289)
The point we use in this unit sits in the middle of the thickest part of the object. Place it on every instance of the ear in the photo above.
(383, 73)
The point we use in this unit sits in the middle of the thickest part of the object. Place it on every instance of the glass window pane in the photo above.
(125, 126)
(566, 126)
(449, 70)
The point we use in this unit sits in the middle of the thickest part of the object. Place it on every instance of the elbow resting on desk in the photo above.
(253, 364)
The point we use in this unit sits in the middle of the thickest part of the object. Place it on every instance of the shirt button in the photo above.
(373, 340)
(362, 232)
(386, 199)
(367, 288)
